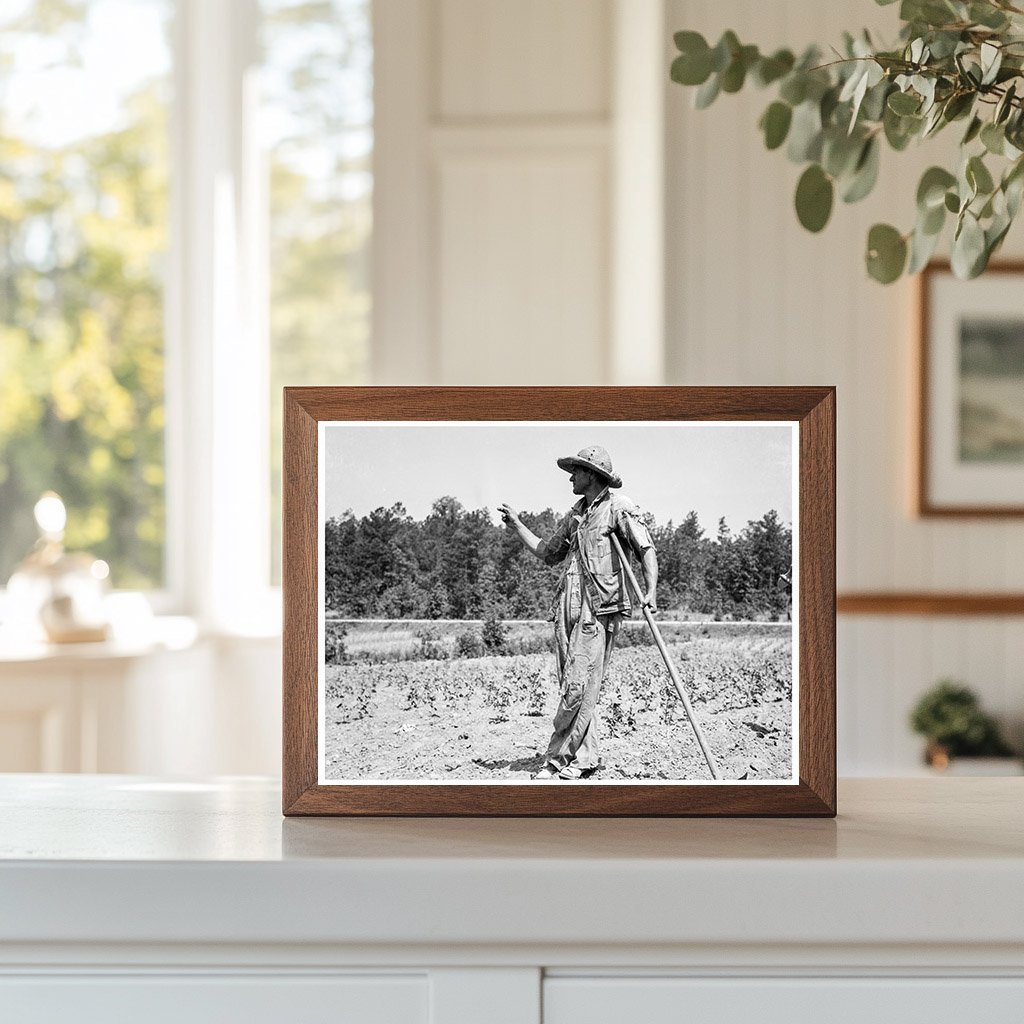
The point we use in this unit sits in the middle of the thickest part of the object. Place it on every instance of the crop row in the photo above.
(726, 674)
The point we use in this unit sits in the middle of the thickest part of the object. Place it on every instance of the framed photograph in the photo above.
(970, 450)
(559, 601)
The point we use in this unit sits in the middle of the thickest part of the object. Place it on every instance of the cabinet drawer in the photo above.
(202, 999)
(625, 1000)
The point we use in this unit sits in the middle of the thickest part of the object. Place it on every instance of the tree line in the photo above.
(457, 564)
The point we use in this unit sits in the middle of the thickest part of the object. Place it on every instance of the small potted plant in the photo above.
(951, 719)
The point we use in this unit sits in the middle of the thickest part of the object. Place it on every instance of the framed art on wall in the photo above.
(970, 451)
(559, 601)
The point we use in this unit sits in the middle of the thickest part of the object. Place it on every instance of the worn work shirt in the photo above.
(585, 534)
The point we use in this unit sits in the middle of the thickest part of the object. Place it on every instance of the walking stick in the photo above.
(673, 674)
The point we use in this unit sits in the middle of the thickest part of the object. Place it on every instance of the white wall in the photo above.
(505, 133)
(752, 298)
(518, 239)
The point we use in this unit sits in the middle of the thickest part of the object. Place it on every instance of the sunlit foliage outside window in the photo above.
(83, 237)
(317, 121)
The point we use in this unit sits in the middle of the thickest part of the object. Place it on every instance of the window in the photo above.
(317, 117)
(83, 237)
(185, 221)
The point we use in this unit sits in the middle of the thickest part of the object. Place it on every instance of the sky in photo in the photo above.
(735, 470)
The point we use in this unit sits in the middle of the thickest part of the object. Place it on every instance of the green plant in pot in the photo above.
(950, 718)
(956, 62)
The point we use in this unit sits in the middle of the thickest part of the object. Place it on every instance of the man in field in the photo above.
(591, 600)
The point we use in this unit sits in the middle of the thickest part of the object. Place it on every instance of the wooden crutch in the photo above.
(673, 674)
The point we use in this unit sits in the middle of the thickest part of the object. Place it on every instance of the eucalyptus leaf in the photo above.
(794, 88)
(840, 152)
(900, 130)
(991, 60)
(968, 247)
(944, 44)
(809, 59)
(995, 233)
(1014, 172)
(904, 103)
(724, 51)
(933, 122)
(828, 104)
(1013, 186)
(857, 75)
(1004, 106)
(922, 248)
(966, 189)
(886, 253)
(688, 41)
(970, 71)
(805, 133)
(771, 69)
(1013, 191)
(993, 138)
(775, 122)
(865, 173)
(854, 92)
(816, 83)
(930, 12)
(987, 15)
(873, 106)
(735, 74)
(952, 202)
(814, 194)
(932, 221)
(686, 71)
(931, 190)
(978, 176)
(707, 93)
(972, 132)
(958, 105)
(925, 88)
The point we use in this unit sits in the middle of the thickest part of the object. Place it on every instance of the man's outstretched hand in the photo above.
(508, 515)
(651, 601)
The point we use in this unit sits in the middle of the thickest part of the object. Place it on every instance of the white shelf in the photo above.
(123, 859)
(127, 896)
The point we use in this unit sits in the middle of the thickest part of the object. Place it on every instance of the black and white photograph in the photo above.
(558, 602)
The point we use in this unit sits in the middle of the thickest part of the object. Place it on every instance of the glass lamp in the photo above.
(55, 595)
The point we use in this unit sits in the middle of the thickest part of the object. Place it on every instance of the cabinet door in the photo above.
(783, 1000)
(205, 999)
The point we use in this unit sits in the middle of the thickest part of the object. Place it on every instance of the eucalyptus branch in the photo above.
(833, 117)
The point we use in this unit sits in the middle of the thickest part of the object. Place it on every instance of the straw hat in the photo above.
(595, 458)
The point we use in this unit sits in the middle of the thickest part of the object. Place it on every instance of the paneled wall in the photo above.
(518, 213)
(513, 158)
(552, 210)
(754, 299)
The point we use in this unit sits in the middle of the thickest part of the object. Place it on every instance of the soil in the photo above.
(489, 719)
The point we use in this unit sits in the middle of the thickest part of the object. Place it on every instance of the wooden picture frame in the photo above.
(811, 791)
(960, 470)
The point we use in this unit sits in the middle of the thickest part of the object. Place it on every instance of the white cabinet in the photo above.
(202, 999)
(133, 898)
(823, 1000)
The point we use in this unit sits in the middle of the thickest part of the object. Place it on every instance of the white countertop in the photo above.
(124, 859)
